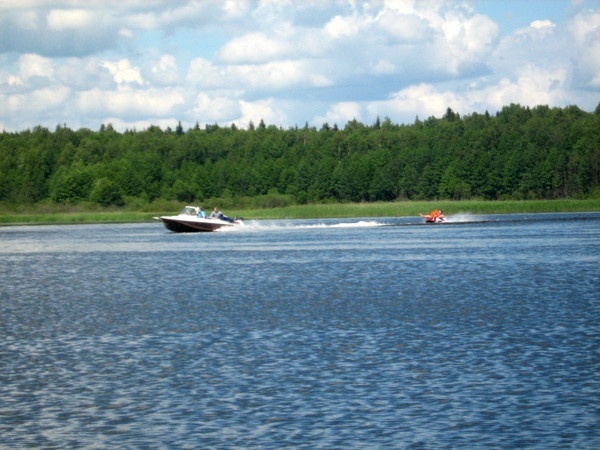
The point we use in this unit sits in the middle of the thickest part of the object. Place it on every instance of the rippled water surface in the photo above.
(374, 333)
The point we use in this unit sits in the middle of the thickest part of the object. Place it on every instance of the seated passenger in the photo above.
(216, 214)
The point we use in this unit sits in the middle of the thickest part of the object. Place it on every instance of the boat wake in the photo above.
(255, 225)
(299, 224)
(359, 224)
(380, 222)
(462, 218)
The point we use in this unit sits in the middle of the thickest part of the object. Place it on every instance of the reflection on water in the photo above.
(338, 334)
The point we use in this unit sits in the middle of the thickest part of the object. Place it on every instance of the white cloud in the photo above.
(284, 61)
(585, 27)
(585, 31)
(221, 107)
(341, 113)
(31, 65)
(167, 15)
(27, 20)
(130, 103)
(472, 35)
(533, 86)
(120, 123)
(64, 19)
(260, 110)
(236, 8)
(164, 71)
(344, 27)
(47, 99)
(402, 27)
(252, 48)
(465, 40)
(10, 80)
(64, 28)
(204, 74)
(539, 24)
(38, 102)
(273, 75)
(384, 67)
(421, 100)
(123, 72)
(82, 74)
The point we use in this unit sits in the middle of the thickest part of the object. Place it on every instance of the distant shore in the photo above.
(79, 215)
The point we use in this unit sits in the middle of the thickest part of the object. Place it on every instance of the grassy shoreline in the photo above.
(333, 210)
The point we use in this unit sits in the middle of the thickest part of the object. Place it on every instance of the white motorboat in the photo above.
(190, 221)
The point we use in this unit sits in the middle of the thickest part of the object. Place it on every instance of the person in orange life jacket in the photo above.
(434, 215)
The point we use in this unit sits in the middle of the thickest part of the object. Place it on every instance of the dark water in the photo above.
(380, 333)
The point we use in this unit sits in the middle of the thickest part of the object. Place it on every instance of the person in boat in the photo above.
(216, 214)
(201, 213)
(437, 215)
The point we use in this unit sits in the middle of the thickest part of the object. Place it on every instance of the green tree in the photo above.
(71, 184)
(106, 192)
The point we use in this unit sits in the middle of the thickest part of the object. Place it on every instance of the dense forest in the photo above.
(518, 153)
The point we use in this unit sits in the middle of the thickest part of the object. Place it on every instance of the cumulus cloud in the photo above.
(253, 48)
(206, 75)
(31, 65)
(65, 19)
(341, 113)
(344, 27)
(46, 104)
(533, 86)
(47, 99)
(286, 62)
(56, 32)
(218, 107)
(122, 72)
(585, 32)
(539, 24)
(130, 103)
(422, 100)
(164, 71)
(265, 110)
(273, 75)
(466, 39)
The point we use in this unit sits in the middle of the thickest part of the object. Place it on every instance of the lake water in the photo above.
(358, 333)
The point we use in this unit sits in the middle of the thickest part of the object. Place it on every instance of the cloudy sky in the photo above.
(136, 63)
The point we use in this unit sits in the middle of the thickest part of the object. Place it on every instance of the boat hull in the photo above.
(194, 225)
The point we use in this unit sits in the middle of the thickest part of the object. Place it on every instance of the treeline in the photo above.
(518, 153)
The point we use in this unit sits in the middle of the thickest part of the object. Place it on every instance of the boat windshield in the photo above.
(189, 211)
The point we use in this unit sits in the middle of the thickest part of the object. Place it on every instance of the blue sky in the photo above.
(138, 63)
(514, 14)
